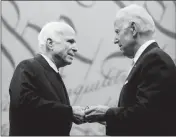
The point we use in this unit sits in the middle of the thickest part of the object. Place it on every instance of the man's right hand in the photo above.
(78, 114)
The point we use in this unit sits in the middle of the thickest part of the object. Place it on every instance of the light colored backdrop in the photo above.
(98, 71)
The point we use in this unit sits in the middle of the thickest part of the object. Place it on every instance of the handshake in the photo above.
(89, 114)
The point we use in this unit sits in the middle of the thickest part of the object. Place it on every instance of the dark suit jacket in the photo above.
(39, 103)
(147, 103)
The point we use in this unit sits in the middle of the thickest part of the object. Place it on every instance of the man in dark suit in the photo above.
(39, 103)
(148, 97)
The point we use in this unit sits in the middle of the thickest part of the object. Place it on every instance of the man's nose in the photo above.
(116, 41)
(74, 48)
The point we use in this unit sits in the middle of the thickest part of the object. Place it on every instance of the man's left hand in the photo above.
(95, 113)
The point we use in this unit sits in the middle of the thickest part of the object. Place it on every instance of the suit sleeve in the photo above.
(25, 98)
(153, 76)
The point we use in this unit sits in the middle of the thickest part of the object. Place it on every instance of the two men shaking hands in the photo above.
(39, 102)
(89, 114)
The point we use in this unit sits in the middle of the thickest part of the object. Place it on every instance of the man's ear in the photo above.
(49, 43)
(134, 29)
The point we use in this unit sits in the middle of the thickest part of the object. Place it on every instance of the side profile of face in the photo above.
(63, 47)
(124, 37)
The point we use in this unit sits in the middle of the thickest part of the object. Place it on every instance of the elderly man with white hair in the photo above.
(148, 97)
(39, 103)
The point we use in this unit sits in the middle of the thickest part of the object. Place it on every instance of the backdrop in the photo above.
(99, 69)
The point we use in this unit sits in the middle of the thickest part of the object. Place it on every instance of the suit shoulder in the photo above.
(24, 67)
(158, 53)
(32, 65)
(27, 63)
(158, 56)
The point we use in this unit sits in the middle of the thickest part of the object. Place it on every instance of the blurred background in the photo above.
(99, 69)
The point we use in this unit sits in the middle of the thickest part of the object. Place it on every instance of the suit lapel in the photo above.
(52, 77)
(66, 94)
(137, 64)
(59, 90)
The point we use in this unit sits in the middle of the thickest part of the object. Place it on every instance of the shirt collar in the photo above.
(141, 50)
(52, 65)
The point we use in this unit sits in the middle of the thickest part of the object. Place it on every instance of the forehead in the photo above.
(66, 34)
(118, 23)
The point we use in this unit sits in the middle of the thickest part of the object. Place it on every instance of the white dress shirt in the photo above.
(52, 65)
(139, 53)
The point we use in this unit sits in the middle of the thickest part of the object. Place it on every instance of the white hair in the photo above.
(137, 14)
(50, 30)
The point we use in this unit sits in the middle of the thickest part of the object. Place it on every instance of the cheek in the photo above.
(128, 35)
(60, 49)
(64, 52)
(59, 53)
(123, 39)
(126, 38)
(66, 48)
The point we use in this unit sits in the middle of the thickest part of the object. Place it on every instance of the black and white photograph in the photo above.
(89, 68)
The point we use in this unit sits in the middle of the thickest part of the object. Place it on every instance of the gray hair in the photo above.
(50, 30)
(137, 14)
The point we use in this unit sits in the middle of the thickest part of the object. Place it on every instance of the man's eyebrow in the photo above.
(71, 40)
